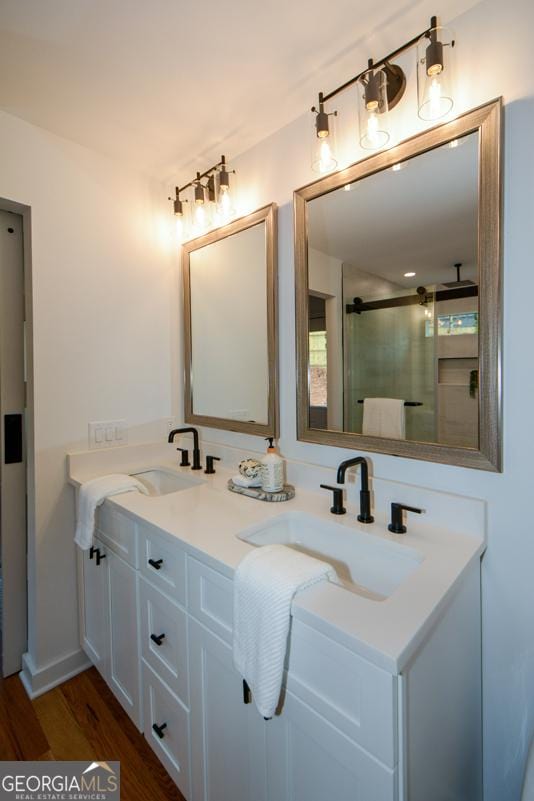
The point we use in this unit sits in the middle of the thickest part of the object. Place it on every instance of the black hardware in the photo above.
(337, 508)
(99, 556)
(185, 457)
(209, 464)
(155, 563)
(406, 403)
(12, 438)
(365, 515)
(247, 695)
(358, 305)
(159, 730)
(220, 167)
(196, 450)
(396, 525)
(157, 638)
(92, 550)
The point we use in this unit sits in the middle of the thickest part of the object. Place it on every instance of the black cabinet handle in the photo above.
(92, 550)
(99, 556)
(155, 563)
(157, 638)
(159, 730)
(247, 695)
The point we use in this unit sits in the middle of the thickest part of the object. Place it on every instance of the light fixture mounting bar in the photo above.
(201, 175)
(381, 63)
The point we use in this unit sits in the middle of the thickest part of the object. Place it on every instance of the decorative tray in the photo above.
(284, 494)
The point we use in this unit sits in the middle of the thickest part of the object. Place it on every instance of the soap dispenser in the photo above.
(272, 469)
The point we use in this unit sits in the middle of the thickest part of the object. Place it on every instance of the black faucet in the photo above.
(196, 450)
(365, 515)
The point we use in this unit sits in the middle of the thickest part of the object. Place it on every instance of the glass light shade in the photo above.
(225, 208)
(182, 222)
(373, 110)
(323, 144)
(435, 53)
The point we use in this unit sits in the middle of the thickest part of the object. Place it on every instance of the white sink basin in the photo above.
(365, 565)
(159, 481)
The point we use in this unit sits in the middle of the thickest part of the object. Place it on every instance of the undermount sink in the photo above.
(162, 482)
(367, 566)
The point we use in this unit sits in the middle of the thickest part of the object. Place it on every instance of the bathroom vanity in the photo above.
(382, 690)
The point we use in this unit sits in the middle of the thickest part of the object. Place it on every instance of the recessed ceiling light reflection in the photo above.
(347, 187)
(409, 275)
(399, 166)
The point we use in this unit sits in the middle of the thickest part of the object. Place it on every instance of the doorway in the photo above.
(13, 493)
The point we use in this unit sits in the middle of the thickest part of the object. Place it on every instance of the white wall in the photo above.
(494, 57)
(104, 294)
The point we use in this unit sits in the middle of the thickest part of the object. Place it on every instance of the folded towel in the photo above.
(384, 417)
(265, 583)
(92, 494)
(243, 481)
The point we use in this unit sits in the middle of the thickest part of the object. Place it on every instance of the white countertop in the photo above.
(206, 519)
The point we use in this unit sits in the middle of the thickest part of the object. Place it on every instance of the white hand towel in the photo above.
(265, 583)
(384, 417)
(92, 494)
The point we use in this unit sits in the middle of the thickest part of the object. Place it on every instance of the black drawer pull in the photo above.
(92, 550)
(157, 638)
(247, 695)
(99, 556)
(155, 563)
(159, 730)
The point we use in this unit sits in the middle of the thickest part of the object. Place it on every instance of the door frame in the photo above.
(28, 429)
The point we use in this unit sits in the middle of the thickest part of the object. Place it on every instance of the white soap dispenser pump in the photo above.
(272, 469)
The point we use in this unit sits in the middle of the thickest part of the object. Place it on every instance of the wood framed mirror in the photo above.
(398, 298)
(230, 329)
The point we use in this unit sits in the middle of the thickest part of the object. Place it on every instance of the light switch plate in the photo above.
(108, 433)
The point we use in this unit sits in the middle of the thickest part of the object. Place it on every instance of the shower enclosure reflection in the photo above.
(393, 304)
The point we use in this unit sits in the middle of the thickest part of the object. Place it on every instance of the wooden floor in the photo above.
(81, 720)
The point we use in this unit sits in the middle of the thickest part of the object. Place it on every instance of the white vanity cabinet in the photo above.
(157, 623)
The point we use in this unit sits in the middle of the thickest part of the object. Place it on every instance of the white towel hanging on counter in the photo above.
(93, 493)
(265, 583)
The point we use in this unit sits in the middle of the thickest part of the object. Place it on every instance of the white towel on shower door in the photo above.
(384, 417)
(93, 493)
(265, 583)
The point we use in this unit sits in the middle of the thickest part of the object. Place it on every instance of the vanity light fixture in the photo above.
(381, 86)
(434, 72)
(210, 202)
(409, 275)
(323, 156)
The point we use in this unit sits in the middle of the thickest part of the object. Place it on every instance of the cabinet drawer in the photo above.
(161, 618)
(118, 532)
(162, 562)
(356, 696)
(162, 709)
(211, 598)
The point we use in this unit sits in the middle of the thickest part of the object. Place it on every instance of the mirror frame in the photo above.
(486, 120)
(268, 215)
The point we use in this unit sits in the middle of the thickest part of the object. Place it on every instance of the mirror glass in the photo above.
(393, 311)
(230, 375)
(230, 326)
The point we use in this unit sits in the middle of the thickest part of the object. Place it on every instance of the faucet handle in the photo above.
(396, 525)
(185, 457)
(209, 464)
(337, 492)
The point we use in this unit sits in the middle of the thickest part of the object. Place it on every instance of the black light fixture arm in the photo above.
(377, 64)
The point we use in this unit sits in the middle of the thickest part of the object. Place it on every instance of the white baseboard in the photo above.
(37, 681)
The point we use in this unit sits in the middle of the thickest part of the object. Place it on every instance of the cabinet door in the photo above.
(228, 743)
(124, 661)
(308, 759)
(95, 615)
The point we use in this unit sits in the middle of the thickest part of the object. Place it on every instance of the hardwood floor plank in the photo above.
(64, 735)
(23, 737)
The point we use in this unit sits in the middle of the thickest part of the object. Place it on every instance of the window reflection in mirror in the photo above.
(393, 301)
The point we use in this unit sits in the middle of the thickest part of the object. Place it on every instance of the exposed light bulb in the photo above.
(224, 206)
(326, 160)
(179, 229)
(434, 96)
(199, 217)
(372, 129)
